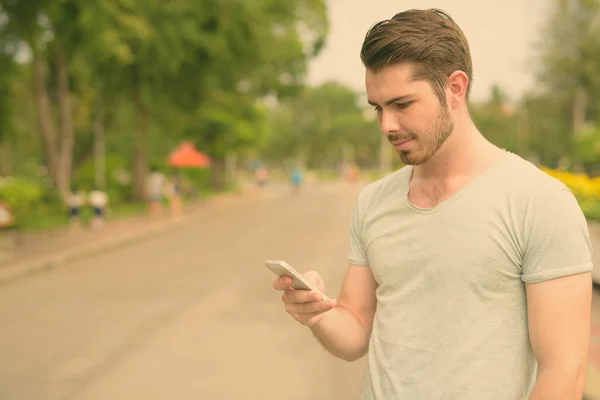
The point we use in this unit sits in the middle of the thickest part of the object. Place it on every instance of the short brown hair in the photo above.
(428, 38)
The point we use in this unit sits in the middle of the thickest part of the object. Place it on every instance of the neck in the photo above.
(465, 153)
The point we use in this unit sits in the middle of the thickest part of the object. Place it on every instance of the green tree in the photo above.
(322, 127)
(568, 71)
(133, 78)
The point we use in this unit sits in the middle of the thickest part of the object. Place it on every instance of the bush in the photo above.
(21, 193)
(117, 192)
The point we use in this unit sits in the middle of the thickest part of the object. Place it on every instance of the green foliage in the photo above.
(587, 146)
(229, 121)
(568, 71)
(593, 212)
(117, 191)
(318, 125)
(152, 74)
(569, 49)
(195, 181)
(21, 193)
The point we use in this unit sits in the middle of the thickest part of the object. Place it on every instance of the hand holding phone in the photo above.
(303, 294)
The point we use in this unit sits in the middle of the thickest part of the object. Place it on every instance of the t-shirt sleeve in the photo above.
(558, 242)
(357, 254)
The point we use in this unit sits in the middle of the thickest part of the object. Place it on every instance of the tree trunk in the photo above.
(579, 111)
(218, 179)
(140, 133)
(99, 147)
(231, 169)
(6, 165)
(67, 139)
(578, 121)
(44, 115)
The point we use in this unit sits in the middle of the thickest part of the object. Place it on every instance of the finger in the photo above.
(282, 283)
(304, 308)
(310, 308)
(300, 296)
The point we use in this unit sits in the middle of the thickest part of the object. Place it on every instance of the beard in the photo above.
(429, 143)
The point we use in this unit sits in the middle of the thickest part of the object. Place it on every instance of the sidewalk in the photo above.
(52, 249)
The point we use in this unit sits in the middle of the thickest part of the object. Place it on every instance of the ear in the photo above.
(458, 83)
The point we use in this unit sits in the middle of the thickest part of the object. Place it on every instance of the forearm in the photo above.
(558, 384)
(341, 333)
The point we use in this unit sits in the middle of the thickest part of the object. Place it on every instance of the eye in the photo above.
(403, 105)
(377, 109)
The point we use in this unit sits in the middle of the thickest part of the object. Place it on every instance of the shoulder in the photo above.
(380, 189)
(541, 201)
(531, 184)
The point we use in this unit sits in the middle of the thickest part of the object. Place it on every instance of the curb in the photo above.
(46, 263)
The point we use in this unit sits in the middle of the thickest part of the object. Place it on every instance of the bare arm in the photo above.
(345, 330)
(344, 326)
(559, 313)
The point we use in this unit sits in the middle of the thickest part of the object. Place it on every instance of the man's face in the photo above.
(409, 113)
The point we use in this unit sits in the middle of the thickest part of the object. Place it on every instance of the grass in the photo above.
(44, 217)
(52, 216)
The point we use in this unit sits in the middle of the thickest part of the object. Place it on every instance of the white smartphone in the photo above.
(281, 268)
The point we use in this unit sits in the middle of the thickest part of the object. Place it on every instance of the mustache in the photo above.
(395, 137)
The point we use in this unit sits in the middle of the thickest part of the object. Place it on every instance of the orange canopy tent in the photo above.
(186, 155)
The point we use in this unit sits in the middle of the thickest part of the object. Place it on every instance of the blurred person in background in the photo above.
(98, 199)
(261, 176)
(74, 202)
(156, 189)
(469, 268)
(353, 173)
(296, 179)
(173, 193)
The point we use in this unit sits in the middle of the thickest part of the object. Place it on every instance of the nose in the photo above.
(388, 123)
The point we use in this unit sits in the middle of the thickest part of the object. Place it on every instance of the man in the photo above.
(469, 272)
(156, 187)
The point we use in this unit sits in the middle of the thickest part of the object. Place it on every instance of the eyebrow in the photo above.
(392, 101)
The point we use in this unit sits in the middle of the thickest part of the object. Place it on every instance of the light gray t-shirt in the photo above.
(451, 319)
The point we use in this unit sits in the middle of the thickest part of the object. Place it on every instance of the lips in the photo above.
(401, 144)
